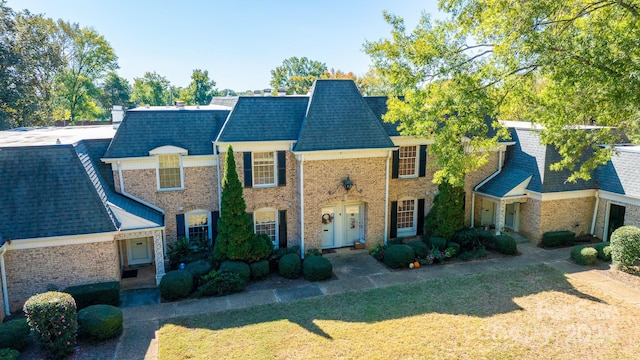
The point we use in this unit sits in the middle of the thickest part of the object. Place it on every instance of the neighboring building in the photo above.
(319, 171)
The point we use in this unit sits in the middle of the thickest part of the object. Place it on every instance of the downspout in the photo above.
(215, 153)
(386, 199)
(302, 206)
(3, 271)
(595, 213)
(473, 193)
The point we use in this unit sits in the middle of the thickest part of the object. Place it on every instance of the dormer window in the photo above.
(169, 172)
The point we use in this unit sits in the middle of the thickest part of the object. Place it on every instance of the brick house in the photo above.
(319, 171)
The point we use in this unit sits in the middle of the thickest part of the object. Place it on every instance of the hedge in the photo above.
(625, 248)
(505, 244)
(106, 293)
(100, 322)
(399, 256)
(14, 334)
(316, 268)
(584, 255)
(176, 284)
(558, 238)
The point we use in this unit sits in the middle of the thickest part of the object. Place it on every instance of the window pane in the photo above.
(406, 210)
(266, 223)
(169, 171)
(198, 226)
(263, 168)
(407, 162)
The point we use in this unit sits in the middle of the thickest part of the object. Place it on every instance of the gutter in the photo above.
(3, 271)
(386, 199)
(595, 213)
(473, 193)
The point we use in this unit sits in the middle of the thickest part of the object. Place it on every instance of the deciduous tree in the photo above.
(201, 89)
(151, 89)
(115, 90)
(297, 75)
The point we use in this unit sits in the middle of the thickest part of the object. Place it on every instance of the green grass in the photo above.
(533, 312)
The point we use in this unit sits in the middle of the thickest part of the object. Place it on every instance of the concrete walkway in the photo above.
(355, 270)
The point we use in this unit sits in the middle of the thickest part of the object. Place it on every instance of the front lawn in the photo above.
(533, 312)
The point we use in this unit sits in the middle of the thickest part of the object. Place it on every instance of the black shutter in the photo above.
(250, 217)
(394, 220)
(423, 161)
(248, 179)
(282, 229)
(394, 164)
(180, 229)
(282, 168)
(420, 217)
(214, 225)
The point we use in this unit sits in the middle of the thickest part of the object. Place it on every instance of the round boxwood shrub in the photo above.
(54, 320)
(9, 354)
(14, 334)
(238, 267)
(438, 242)
(625, 247)
(505, 244)
(399, 256)
(100, 322)
(584, 255)
(316, 268)
(289, 266)
(420, 248)
(199, 268)
(176, 284)
(259, 269)
(218, 283)
(604, 250)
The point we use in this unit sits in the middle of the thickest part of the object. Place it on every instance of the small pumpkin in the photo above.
(411, 265)
(416, 265)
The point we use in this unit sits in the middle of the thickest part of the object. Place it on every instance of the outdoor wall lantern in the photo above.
(347, 184)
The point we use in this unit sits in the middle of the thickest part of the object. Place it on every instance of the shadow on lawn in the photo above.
(478, 295)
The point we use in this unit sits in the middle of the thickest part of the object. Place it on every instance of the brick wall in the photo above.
(32, 271)
(631, 216)
(200, 193)
(568, 214)
(472, 180)
(530, 219)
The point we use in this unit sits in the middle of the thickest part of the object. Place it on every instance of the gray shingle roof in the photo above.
(265, 118)
(339, 119)
(90, 152)
(378, 105)
(45, 192)
(504, 182)
(621, 174)
(144, 130)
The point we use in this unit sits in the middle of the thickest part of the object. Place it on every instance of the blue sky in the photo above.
(238, 42)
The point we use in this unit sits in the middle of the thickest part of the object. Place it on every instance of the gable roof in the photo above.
(621, 175)
(45, 192)
(264, 118)
(143, 130)
(89, 153)
(338, 118)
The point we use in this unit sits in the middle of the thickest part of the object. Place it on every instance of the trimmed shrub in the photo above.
(280, 252)
(466, 256)
(399, 256)
(259, 269)
(558, 238)
(9, 354)
(107, 293)
(176, 284)
(454, 245)
(471, 239)
(420, 248)
(604, 250)
(584, 255)
(290, 266)
(199, 269)
(54, 320)
(316, 268)
(100, 322)
(480, 252)
(438, 242)
(218, 283)
(238, 267)
(312, 252)
(505, 244)
(625, 248)
(14, 334)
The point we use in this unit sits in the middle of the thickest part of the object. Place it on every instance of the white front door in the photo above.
(488, 212)
(139, 251)
(511, 213)
(328, 227)
(354, 227)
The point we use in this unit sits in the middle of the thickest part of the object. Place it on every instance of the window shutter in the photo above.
(282, 229)
(395, 163)
(420, 230)
(423, 161)
(214, 225)
(394, 220)
(248, 178)
(282, 168)
(180, 229)
(250, 217)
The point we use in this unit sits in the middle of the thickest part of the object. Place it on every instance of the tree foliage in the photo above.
(562, 64)
(151, 89)
(200, 90)
(446, 216)
(297, 75)
(115, 90)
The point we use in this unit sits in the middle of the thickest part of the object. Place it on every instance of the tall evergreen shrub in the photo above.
(447, 213)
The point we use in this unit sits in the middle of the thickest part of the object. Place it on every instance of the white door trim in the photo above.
(130, 244)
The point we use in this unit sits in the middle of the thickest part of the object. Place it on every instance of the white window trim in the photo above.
(416, 165)
(275, 170)
(198, 212)
(412, 231)
(276, 240)
(158, 173)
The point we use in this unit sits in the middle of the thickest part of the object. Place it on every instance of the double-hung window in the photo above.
(169, 172)
(265, 223)
(264, 169)
(198, 227)
(408, 164)
(407, 217)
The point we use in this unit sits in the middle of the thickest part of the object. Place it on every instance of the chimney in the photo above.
(267, 92)
(117, 114)
(257, 93)
(180, 104)
(282, 92)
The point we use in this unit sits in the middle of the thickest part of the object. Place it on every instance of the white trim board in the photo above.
(562, 195)
(343, 154)
(257, 146)
(623, 199)
(60, 241)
